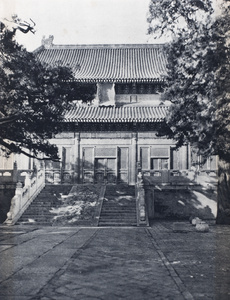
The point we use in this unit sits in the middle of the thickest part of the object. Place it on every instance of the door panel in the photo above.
(164, 164)
(145, 158)
(100, 167)
(88, 165)
(174, 159)
(154, 164)
(159, 163)
(123, 165)
(111, 170)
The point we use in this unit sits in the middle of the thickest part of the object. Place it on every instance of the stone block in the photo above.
(196, 221)
(202, 227)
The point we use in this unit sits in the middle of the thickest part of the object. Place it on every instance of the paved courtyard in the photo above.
(114, 263)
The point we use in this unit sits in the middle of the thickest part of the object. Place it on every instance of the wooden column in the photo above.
(133, 159)
(189, 156)
(79, 162)
(77, 157)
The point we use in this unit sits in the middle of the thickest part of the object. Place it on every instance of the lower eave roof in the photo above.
(111, 114)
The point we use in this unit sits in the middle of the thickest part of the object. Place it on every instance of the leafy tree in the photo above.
(198, 81)
(33, 98)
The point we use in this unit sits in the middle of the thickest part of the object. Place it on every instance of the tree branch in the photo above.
(16, 149)
(8, 119)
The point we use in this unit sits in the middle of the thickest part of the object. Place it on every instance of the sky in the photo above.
(81, 21)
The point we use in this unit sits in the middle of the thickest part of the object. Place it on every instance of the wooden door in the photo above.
(160, 166)
(105, 170)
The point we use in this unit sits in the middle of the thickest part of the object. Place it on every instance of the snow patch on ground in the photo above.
(80, 204)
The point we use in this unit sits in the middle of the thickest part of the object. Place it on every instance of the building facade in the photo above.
(109, 139)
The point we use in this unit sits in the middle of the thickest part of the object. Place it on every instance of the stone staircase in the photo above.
(119, 206)
(38, 213)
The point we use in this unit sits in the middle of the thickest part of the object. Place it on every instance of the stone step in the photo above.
(110, 215)
(51, 194)
(133, 223)
(40, 222)
(36, 209)
(46, 198)
(44, 204)
(118, 207)
(31, 215)
(40, 213)
(34, 223)
(118, 211)
(117, 218)
(109, 211)
(37, 212)
(117, 224)
(119, 204)
(37, 218)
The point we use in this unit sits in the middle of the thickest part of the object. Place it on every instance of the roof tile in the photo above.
(116, 114)
(98, 63)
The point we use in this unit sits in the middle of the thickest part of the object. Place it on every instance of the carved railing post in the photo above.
(142, 216)
(15, 204)
(15, 173)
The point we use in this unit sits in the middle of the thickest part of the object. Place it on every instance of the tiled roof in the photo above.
(116, 114)
(113, 63)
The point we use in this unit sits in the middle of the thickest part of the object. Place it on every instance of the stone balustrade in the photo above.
(176, 177)
(8, 176)
(24, 195)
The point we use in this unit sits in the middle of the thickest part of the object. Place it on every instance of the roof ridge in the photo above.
(101, 46)
(122, 106)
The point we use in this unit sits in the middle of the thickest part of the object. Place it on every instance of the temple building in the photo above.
(108, 139)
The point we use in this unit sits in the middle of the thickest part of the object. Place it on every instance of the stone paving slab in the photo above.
(52, 263)
(113, 266)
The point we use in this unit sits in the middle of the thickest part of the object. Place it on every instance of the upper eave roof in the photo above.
(111, 114)
(109, 63)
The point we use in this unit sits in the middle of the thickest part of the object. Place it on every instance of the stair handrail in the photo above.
(100, 199)
(24, 195)
(142, 215)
